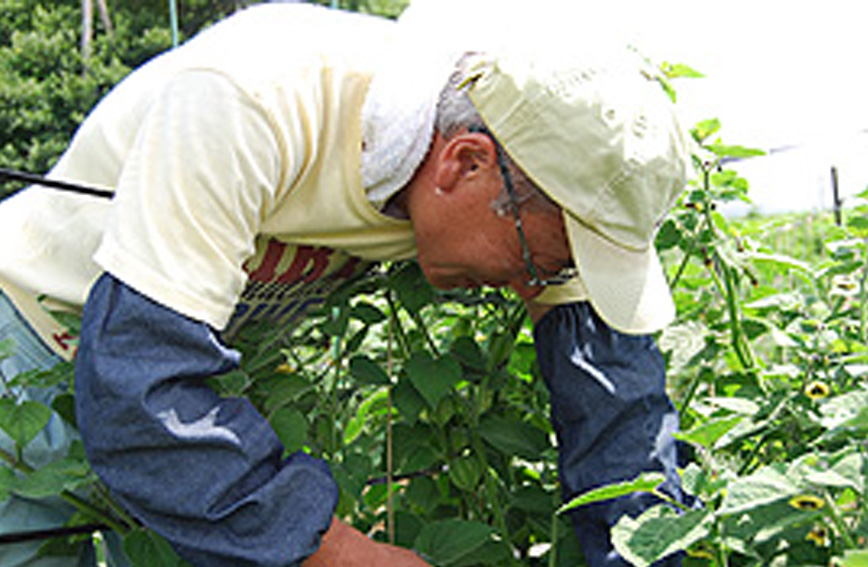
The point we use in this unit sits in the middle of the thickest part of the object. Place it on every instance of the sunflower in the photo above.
(817, 390)
(807, 502)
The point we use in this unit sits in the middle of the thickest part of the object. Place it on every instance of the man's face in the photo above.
(463, 242)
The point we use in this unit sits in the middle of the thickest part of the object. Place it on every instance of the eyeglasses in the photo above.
(560, 278)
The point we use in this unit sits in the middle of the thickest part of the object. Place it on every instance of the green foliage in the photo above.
(429, 406)
(767, 363)
(388, 8)
(46, 87)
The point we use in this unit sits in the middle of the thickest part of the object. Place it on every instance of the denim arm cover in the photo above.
(612, 417)
(205, 472)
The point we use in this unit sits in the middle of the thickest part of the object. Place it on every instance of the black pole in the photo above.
(836, 196)
(24, 177)
(39, 535)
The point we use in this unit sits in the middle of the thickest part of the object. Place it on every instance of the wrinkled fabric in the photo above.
(612, 417)
(207, 473)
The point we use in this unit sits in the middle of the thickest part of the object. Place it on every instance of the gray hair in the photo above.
(455, 113)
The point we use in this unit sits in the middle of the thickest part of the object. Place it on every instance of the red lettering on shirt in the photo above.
(308, 263)
(266, 270)
(62, 340)
(304, 256)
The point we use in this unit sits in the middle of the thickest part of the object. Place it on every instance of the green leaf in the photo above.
(71, 321)
(22, 422)
(465, 472)
(412, 288)
(7, 348)
(291, 427)
(53, 478)
(145, 548)
(230, 384)
(352, 474)
(858, 224)
(680, 71)
(763, 487)
(500, 347)
(848, 411)
(8, 480)
(64, 406)
(433, 377)
(852, 558)
(833, 479)
(367, 371)
(782, 261)
(367, 313)
(282, 390)
(667, 88)
(646, 482)
(669, 235)
(659, 532)
(708, 433)
(447, 542)
(373, 405)
(735, 152)
(408, 400)
(511, 436)
(741, 406)
(845, 473)
(423, 492)
(705, 129)
(494, 552)
(468, 353)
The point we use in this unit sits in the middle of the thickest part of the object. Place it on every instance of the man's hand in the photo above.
(345, 546)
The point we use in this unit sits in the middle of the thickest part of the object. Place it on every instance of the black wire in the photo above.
(24, 177)
(39, 535)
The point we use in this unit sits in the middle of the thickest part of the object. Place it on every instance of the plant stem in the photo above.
(114, 506)
(78, 502)
(424, 329)
(863, 297)
(390, 502)
(742, 349)
(553, 556)
(15, 463)
(333, 397)
(499, 516)
(102, 515)
(400, 334)
(669, 500)
(491, 492)
(691, 391)
(683, 266)
(835, 516)
(720, 550)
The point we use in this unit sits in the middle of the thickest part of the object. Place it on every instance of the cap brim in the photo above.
(626, 287)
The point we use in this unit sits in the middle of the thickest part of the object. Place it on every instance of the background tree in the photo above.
(48, 83)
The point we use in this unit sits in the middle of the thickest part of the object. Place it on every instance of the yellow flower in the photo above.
(819, 535)
(817, 389)
(844, 285)
(806, 502)
(285, 368)
(701, 551)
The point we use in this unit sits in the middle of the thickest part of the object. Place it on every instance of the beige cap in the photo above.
(599, 135)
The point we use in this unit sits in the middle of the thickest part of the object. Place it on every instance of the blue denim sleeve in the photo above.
(612, 417)
(205, 472)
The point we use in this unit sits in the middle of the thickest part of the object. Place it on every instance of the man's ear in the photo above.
(464, 155)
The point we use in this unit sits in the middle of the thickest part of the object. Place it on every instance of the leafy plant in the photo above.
(768, 365)
(429, 406)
